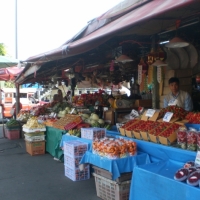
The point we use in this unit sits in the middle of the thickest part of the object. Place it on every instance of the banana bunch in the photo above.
(32, 123)
(75, 132)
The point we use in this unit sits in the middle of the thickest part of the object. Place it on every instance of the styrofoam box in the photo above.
(75, 148)
(34, 138)
(93, 133)
(33, 130)
(77, 174)
(72, 163)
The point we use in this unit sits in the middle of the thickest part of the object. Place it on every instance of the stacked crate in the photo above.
(35, 141)
(73, 153)
(107, 188)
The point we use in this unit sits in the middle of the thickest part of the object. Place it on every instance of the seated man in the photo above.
(177, 96)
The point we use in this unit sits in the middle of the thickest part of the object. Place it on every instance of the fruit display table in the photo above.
(165, 161)
(157, 182)
(53, 139)
(116, 166)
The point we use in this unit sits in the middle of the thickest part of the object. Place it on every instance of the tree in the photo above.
(2, 49)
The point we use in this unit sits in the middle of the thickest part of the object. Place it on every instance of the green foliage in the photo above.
(2, 49)
(9, 84)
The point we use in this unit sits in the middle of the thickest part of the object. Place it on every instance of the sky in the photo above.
(43, 25)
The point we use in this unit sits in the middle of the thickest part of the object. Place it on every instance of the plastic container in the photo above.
(34, 138)
(102, 172)
(109, 189)
(181, 174)
(12, 134)
(194, 178)
(182, 138)
(192, 140)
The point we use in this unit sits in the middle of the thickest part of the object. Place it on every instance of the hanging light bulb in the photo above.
(177, 42)
(124, 58)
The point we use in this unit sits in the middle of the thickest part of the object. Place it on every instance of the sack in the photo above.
(12, 111)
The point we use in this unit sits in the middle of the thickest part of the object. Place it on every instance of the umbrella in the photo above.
(7, 62)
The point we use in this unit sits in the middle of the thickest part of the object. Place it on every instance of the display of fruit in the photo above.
(181, 174)
(32, 123)
(193, 118)
(178, 112)
(189, 164)
(192, 140)
(114, 148)
(70, 120)
(194, 178)
(12, 122)
(182, 138)
(75, 132)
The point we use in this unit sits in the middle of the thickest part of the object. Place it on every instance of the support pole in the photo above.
(155, 88)
(17, 99)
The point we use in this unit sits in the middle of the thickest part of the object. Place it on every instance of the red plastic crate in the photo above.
(12, 134)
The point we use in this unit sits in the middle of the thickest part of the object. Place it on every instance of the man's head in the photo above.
(174, 85)
(59, 92)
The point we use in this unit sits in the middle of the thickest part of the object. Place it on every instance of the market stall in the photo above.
(151, 141)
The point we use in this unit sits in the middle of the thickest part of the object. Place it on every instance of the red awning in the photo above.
(100, 36)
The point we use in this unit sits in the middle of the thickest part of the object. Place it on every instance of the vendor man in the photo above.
(177, 96)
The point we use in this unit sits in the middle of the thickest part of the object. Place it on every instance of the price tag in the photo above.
(55, 114)
(150, 112)
(168, 116)
(134, 114)
(72, 111)
(197, 160)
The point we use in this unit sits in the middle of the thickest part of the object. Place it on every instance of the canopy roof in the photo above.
(131, 17)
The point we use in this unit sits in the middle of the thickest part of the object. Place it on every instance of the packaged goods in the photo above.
(93, 133)
(192, 140)
(75, 148)
(182, 138)
(114, 148)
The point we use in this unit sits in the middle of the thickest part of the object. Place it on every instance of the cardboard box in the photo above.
(144, 135)
(137, 135)
(122, 131)
(72, 163)
(77, 174)
(168, 140)
(109, 116)
(75, 148)
(93, 133)
(129, 133)
(35, 148)
(153, 138)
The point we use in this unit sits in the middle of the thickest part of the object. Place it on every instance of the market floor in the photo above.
(26, 177)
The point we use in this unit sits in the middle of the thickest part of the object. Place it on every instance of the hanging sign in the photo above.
(159, 74)
(150, 112)
(139, 74)
(197, 160)
(168, 116)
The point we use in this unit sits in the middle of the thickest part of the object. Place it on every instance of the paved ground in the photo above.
(26, 177)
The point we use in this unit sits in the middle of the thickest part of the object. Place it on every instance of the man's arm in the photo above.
(165, 103)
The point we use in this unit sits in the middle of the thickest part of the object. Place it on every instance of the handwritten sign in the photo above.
(167, 117)
(150, 112)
